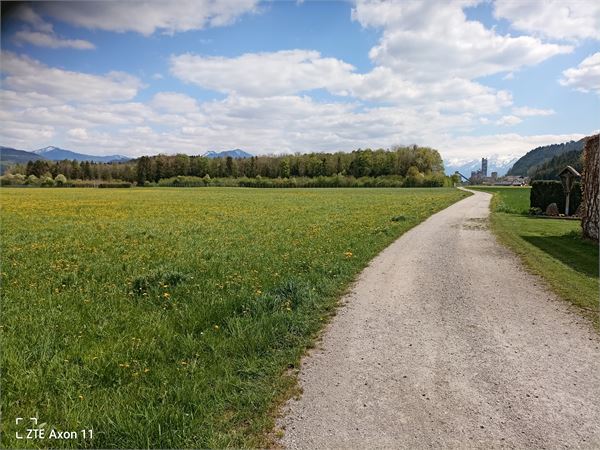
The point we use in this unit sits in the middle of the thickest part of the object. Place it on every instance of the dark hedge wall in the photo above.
(544, 192)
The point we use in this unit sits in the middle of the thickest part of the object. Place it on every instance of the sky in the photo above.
(469, 78)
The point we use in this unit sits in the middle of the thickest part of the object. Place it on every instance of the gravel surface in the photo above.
(445, 341)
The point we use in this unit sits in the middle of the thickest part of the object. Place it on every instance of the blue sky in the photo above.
(469, 78)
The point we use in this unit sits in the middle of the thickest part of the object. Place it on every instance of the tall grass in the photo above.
(167, 318)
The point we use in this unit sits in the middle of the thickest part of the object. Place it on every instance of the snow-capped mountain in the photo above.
(496, 163)
(59, 154)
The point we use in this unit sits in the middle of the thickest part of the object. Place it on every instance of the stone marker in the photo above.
(552, 210)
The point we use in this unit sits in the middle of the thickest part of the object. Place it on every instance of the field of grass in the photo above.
(553, 249)
(169, 318)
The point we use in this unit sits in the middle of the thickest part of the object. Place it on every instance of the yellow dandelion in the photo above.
(216, 327)
(166, 295)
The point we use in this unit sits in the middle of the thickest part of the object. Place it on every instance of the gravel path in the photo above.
(445, 341)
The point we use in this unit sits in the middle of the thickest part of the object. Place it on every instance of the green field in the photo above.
(553, 249)
(171, 317)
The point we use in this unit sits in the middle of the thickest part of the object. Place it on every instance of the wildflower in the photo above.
(348, 254)
(258, 292)
(80, 397)
(166, 295)
(216, 327)
(146, 370)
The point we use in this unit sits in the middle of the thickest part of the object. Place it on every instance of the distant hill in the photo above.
(235, 154)
(10, 156)
(59, 154)
(540, 155)
(496, 163)
(14, 156)
(550, 169)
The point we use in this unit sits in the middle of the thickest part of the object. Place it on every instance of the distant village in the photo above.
(480, 176)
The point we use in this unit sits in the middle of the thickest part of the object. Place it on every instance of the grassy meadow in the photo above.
(551, 248)
(169, 318)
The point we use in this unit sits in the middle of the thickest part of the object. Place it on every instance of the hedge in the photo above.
(115, 185)
(544, 192)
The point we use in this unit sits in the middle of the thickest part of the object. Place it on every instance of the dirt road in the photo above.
(445, 341)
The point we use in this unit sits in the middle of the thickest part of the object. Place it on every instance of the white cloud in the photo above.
(557, 19)
(43, 34)
(25, 13)
(174, 102)
(262, 74)
(431, 39)
(51, 40)
(78, 133)
(24, 74)
(525, 111)
(509, 120)
(295, 71)
(586, 76)
(146, 17)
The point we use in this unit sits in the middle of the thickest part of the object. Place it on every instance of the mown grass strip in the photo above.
(552, 249)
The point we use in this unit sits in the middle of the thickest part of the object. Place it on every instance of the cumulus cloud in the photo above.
(429, 39)
(509, 120)
(146, 17)
(26, 14)
(525, 111)
(24, 74)
(552, 18)
(296, 71)
(43, 34)
(586, 76)
(262, 74)
(51, 40)
(174, 102)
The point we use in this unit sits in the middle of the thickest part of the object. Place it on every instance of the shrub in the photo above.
(32, 179)
(60, 179)
(47, 181)
(544, 192)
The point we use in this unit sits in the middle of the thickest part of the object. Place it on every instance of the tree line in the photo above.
(419, 166)
(402, 161)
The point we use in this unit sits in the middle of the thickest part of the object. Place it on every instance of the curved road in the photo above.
(445, 341)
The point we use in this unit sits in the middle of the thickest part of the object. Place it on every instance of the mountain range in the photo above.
(59, 154)
(235, 154)
(496, 163)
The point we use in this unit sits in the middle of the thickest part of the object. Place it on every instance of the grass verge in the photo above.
(552, 249)
(168, 318)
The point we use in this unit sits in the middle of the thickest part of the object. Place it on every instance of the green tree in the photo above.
(284, 168)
